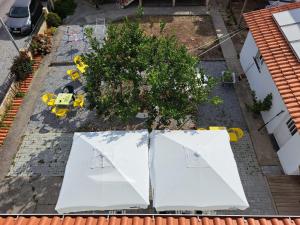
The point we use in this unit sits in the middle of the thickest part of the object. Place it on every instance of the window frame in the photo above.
(258, 60)
(291, 126)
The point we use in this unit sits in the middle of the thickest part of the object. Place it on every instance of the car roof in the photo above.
(22, 3)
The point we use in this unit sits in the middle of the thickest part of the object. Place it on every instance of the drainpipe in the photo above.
(259, 129)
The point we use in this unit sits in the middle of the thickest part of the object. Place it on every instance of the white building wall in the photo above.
(262, 83)
(289, 155)
(281, 132)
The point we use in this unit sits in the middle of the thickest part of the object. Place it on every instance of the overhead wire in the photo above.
(221, 40)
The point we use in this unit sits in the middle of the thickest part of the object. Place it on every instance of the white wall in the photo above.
(289, 155)
(281, 132)
(262, 83)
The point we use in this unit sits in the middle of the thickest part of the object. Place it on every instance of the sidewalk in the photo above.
(265, 153)
(88, 14)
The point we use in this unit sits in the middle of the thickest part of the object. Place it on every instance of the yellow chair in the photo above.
(60, 112)
(233, 137)
(49, 99)
(77, 59)
(200, 128)
(74, 74)
(51, 102)
(81, 67)
(238, 131)
(217, 128)
(79, 101)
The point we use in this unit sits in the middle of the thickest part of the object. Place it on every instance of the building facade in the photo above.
(271, 67)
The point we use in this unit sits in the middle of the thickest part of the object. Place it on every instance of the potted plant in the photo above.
(40, 45)
(228, 77)
(22, 66)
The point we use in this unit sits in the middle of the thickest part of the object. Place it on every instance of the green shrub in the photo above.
(261, 105)
(227, 76)
(22, 67)
(20, 95)
(64, 7)
(53, 20)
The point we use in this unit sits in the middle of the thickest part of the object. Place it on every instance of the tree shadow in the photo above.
(34, 180)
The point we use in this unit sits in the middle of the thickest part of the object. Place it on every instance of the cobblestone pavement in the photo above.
(42, 154)
(254, 183)
(44, 151)
(29, 194)
(42, 120)
(73, 41)
(229, 114)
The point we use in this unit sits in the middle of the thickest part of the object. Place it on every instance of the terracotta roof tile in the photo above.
(278, 56)
(145, 220)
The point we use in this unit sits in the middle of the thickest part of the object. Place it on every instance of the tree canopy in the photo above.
(132, 72)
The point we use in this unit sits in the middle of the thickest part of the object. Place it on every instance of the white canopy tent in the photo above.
(194, 170)
(106, 171)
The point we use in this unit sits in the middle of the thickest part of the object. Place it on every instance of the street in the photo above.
(7, 49)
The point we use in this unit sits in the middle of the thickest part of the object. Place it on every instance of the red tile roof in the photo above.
(278, 56)
(145, 220)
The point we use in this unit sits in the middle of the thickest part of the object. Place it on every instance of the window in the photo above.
(292, 127)
(258, 59)
(99, 160)
(18, 12)
(194, 160)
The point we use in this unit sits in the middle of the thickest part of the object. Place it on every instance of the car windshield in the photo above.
(18, 12)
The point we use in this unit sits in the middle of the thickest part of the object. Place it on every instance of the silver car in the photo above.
(23, 16)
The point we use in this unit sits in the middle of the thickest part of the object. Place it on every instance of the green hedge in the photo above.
(53, 19)
(64, 7)
(22, 67)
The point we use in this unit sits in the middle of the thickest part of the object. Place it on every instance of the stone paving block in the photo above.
(34, 159)
(45, 209)
(29, 194)
(227, 114)
(16, 195)
(46, 185)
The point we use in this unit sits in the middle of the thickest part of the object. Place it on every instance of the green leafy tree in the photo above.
(132, 72)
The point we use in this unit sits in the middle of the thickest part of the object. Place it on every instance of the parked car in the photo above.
(23, 16)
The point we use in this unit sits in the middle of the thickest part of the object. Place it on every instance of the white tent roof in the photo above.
(194, 170)
(106, 171)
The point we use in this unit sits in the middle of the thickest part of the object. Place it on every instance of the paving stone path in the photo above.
(229, 114)
(74, 42)
(42, 155)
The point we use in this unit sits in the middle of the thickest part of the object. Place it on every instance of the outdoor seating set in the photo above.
(60, 103)
(235, 133)
(75, 74)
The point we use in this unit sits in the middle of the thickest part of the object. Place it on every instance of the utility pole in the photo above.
(10, 36)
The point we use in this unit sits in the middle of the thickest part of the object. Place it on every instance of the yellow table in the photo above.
(63, 99)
